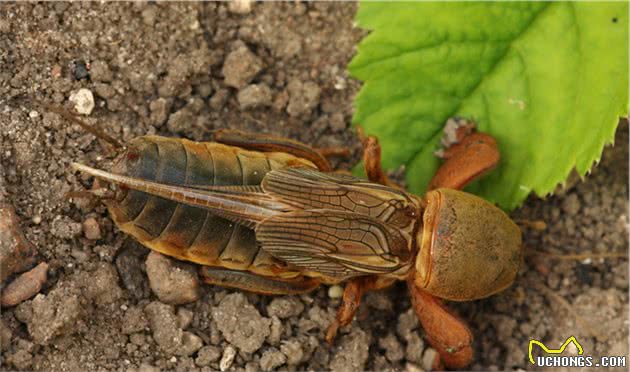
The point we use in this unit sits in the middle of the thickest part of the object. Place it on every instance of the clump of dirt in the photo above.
(185, 70)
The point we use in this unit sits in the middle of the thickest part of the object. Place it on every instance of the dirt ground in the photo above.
(185, 70)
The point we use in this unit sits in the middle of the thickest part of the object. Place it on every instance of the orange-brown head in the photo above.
(469, 248)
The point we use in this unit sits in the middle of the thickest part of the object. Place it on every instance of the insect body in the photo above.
(188, 232)
(273, 222)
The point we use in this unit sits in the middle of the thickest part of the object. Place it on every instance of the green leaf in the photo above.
(548, 80)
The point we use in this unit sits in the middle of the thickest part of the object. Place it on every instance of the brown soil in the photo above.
(166, 69)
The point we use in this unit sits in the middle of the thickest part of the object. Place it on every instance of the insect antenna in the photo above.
(89, 128)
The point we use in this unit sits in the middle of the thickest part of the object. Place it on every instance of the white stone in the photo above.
(228, 358)
(335, 291)
(83, 100)
(240, 6)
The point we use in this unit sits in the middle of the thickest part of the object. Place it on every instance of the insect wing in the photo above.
(335, 243)
(307, 189)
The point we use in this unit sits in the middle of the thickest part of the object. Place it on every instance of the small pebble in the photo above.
(16, 253)
(105, 252)
(204, 90)
(228, 358)
(25, 286)
(240, 6)
(571, 204)
(5, 336)
(145, 367)
(173, 282)
(99, 71)
(184, 317)
(148, 15)
(275, 331)
(168, 334)
(240, 67)
(414, 348)
(180, 121)
(58, 313)
(429, 359)
(20, 359)
(219, 99)
(190, 344)
(207, 355)
(285, 307)
(303, 97)
(410, 367)
(240, 323)
(55, 72)
(138, 339)
(83, 101)
(91, 229)
(176, 82)
(337, 122)
(163, 324)
(128, 264)
(253, 96)
(293, 351)
(407, 322)
(352, 352)
(335, 291)
(134, 321)
(104, 90)
(103, 286)
(393, 349)
(272, 359)
(159, 111)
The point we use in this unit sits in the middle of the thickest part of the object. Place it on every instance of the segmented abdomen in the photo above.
(186, 232)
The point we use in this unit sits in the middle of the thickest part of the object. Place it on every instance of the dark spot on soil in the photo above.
(80, 70)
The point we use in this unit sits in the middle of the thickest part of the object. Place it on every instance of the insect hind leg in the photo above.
(267, 143)
(255, 283)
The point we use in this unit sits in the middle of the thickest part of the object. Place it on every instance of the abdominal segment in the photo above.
(186, 232)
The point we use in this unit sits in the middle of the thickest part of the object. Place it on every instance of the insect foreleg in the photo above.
(352, 294)
(446, 332)
(467, 155)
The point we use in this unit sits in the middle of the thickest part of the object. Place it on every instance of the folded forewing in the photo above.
(307, 188)
(334, 243)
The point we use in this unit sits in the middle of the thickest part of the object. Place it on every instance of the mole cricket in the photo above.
(269, 215)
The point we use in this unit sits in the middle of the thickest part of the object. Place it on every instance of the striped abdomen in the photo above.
(186, 232)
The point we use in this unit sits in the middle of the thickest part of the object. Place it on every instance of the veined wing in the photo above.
(338, 244)
(307, 188)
